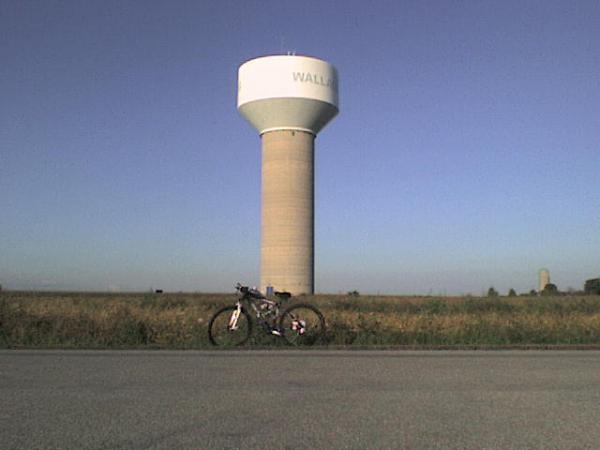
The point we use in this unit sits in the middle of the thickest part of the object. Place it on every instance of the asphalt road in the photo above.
(299, 399)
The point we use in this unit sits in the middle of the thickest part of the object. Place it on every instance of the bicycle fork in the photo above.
(234, 317)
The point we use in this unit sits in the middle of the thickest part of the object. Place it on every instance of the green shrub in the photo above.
(492, 293)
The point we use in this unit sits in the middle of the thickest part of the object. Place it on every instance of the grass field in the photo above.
(103, 320)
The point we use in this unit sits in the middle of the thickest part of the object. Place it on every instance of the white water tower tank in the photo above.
(288, 99)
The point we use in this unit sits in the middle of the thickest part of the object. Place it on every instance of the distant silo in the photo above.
(544, 278)
(288, 99)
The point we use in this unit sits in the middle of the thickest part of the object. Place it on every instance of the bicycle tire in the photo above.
(302, 324)
(219, 333)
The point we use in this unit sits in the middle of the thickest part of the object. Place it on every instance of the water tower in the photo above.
(288, 99)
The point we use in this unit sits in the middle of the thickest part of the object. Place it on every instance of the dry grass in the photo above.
(100, 320)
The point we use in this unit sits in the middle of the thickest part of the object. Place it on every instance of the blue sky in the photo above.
(465, 154)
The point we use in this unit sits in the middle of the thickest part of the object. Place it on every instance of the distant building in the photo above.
(592, 286)
(544, 279)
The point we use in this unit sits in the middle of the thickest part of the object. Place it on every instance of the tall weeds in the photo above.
(97, 320)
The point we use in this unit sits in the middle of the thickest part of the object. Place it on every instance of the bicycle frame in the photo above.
(267, 310)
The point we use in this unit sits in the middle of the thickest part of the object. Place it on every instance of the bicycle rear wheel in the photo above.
(302, 324)
(221, 334)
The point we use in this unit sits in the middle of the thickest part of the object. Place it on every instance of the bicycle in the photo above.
(299, 324)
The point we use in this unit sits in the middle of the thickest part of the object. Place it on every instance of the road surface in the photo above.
(299, 399)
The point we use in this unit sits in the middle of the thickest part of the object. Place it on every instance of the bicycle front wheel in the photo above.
(302, 324)
(222, 334)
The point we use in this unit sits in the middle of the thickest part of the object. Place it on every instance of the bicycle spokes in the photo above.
(302, 325)
(230, 326)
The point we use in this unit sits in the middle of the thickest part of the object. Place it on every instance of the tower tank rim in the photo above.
(280, 55)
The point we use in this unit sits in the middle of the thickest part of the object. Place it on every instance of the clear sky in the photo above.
(466, 153)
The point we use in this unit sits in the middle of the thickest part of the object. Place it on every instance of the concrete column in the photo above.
(287, 229)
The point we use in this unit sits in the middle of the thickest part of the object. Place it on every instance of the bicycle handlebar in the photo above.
(255, 293)
(246, 290)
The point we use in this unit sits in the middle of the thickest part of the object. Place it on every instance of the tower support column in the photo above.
(287, 216)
